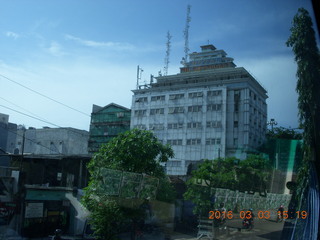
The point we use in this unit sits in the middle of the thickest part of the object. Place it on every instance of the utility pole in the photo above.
(272, 122)
(22, 147)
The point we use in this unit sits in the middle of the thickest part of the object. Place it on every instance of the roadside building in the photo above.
(8, 133)
(106, 123)
(47, 194)
(44, 141)
(210, 109)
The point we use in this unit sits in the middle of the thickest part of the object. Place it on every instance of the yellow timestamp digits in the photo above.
(220, 215)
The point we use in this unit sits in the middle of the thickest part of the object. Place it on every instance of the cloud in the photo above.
(12, 35)
(55, 49)
(95, 44)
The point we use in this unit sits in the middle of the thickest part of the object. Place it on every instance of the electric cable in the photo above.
(31, 140)
(23, 109)
(69, 129)
(34, 91)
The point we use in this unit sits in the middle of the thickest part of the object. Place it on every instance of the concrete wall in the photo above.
(53, 141)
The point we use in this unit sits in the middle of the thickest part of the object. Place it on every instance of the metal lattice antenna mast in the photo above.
(166, 59)
(186, 35)
(139, 74)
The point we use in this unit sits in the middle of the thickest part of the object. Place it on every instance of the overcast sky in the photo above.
(84, 52)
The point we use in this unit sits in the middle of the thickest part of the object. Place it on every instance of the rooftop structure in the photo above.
(65, 141)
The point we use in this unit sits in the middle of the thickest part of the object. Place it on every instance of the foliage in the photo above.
(105, 217)
(303, 43)
(248, 175)
(166, 192)
(284, 133)
(253, 174)
(135, 151)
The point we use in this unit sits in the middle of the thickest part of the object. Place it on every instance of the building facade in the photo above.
(44, 141)
(106, 123)
(8, 132)
(210, 109)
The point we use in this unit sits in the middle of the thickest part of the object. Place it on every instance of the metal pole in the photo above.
(22, 148)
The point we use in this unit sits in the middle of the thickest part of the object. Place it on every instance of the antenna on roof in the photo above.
(186, 35)
(166, 59)
(139, 74)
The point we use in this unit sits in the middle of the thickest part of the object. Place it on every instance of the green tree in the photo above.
(284, 133)
(303, 43)
(304, 46)
(231, 173)
(135, 151)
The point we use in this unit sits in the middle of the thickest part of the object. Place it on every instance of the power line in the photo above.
(40, 119)
(31, 140)
(23, 108)
(29, 115)
(34, 91)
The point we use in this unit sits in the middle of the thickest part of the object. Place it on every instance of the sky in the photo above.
(83, 52)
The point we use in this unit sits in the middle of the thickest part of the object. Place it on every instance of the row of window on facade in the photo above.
(256, 99)
(173, 110)
(160, 126)
(194, 141)
(180, 96)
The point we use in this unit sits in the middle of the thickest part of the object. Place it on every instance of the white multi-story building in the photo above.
(210, 109)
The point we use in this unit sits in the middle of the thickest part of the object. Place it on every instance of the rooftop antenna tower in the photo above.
(166, 59)
(139, 74)
(186, 35)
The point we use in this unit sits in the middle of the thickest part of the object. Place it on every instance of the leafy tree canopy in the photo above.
(135, 151)
(231, 173)
(284, 133)
(303, 43)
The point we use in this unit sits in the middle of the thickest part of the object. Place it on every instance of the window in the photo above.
(214, 93)
(158, 98)
(194, 125)
(176, 110)
(195, 141)
(156, 111)
(213, 141)
(173, 142)
(235, 124)
(236, 107)
(140, 112)
(214, 107)
(140, 126)
(173, 164)
(210, 141)
(176, 96)
(156, 126)
(175, 125)
(194, 108)
(195, 94)
(142, 99)
(237, 95)
(214, 124)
